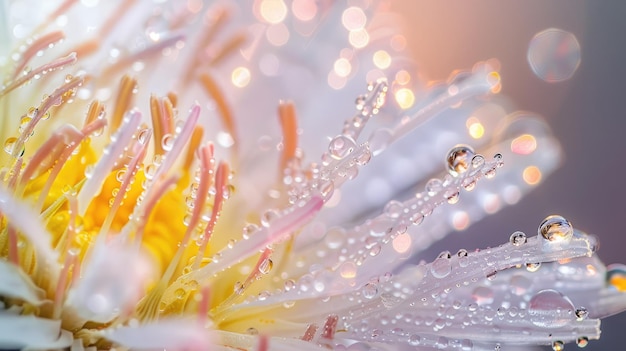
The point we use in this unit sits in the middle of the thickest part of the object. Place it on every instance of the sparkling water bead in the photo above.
(517, 238)
(550, 309)
(459, 159)
(556, 228)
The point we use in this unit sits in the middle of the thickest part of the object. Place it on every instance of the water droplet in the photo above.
(452, 196)
(179, 293)
(554, 55)
(252, 331)
(517, 238)
(433, 186)
(533, 267)
(414, 340)
(582, 341)
(335, 237)
(289, 284)
(9, 144)
(143, 136)
(558, 346)
(167, 142)
(459, 159)
(393, 209)
(238, 288)
(266, 266)
(347, 270)
(549, 308)
(581, 313)
(482, 295)
(556, 228)
(441, 267)
(369, 291)
(340, 147)
(269, 216)
(248, 230)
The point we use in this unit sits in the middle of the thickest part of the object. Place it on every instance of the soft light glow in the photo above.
(382, 59)
(359, 38)
(273, 11)
(277, 34)
(405, 98)
(524, 144)
(304, 10)
(403, 77)
(240, 77)
(402, 243)
(353, 18)
(532, 175)
(460, 220)
(475, 128)
(342, 67)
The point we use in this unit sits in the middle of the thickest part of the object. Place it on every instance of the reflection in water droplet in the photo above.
(441, 267)
(533, 267)
(582, 341)
(341, 146)
(554, 55)
(369, 291)
(459, 159)
(550, 309)
(616, 276)
(556, 228)
(558, 346)
(518, 238)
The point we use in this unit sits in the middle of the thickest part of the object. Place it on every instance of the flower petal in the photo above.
(30, 332)
(166, 334)
(15, 284)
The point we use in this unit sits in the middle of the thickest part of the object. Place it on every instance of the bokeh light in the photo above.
(554, 55)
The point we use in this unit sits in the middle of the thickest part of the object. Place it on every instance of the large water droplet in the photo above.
(340, 147)
(266, 266)
(550, 309)
(459, 159)
(556, 228)
(483, 295)
(441, 267)
(369, 291)
(558, 346)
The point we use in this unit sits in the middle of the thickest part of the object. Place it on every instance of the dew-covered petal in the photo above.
(30, 332)
(15, 284)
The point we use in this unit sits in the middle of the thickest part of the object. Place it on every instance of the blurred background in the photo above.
(587, 112)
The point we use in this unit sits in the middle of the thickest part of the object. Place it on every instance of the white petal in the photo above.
(175, 334)
(29, 332)
(15, 284)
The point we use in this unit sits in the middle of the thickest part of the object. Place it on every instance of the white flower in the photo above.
(128, 232)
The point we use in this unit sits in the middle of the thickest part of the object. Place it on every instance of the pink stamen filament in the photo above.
(280, 229)
(221, 179)
(150, 52)
(181, 140)
(59, 294)
(38, 45)
(53, 99)
(203, 306)
(131, 170)
(328, 332)
(64, 157)
(155, 194)
(122, 139)
(309, 333)
(263, 343)
(54, 65)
